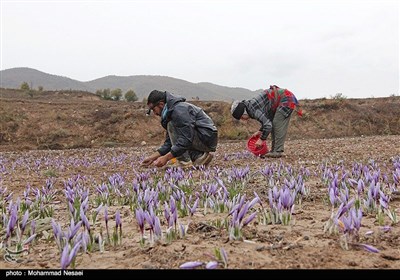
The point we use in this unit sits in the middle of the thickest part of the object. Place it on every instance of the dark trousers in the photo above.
(198, 146)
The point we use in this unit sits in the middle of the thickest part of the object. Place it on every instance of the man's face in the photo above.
(156, 108)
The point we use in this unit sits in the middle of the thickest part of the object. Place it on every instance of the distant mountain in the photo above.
(141, 84)
(229, 93)
(14, 77)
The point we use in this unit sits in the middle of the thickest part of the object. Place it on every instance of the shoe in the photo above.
(204, 159)
(178, 164)
(274, 154)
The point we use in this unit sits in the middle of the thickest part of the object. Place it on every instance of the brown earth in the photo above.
(32, 128)
(68, 119)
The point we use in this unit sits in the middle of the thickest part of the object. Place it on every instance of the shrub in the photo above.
(116, 94)
(25, 86)
(130, 96)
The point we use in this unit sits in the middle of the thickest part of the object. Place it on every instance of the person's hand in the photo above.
(161, 161)
(146, 161)
(256, 134)
(259, 143)
(149, 160)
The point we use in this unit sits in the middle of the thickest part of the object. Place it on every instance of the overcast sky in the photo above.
(314, 48)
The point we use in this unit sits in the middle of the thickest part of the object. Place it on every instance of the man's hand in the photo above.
(161, 161)
(256, 134)
(147, 161)
(259, 143)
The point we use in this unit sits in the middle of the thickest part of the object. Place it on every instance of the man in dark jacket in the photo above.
(272, 109)
(191, 133)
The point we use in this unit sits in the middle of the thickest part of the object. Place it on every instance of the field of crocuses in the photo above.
(330, 203)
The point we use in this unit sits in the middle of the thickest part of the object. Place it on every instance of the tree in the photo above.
(339, 96)
(104, 94)
(25, 86)
(130, 96)
(116, 94)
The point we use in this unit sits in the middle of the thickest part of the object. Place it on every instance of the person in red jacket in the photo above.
(273, 109)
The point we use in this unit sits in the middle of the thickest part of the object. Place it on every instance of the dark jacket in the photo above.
(187, 119)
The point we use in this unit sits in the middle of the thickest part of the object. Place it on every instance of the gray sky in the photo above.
(314, 48)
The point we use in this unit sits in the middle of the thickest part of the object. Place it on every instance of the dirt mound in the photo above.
(73, 119)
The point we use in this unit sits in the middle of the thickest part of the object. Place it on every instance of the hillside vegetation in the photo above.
(140, 84)
(76, 119)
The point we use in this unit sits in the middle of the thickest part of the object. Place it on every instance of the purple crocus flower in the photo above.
(11, 225)
(118, 219)
(356, 216)
(254, 201)
(369, 248)
(344, 195)
(192, 210)
(287, 198)
(386, 228)
(182, 230)
(84, 238)
(29, 239)
(157, 227)
(73, 229)
(249, 218)
(383, 200)
(74, 251)
(56, 230)
(97, 210)
(360, 187)
(344, 208)
(212, 265)
(33, 227)
(352, 182)
(224, 256)
(84, 219)
(24, 220)
(332, 196)
(258, 199)
(148, 219)
(243, 212)
(270, 199)
(8, 198)
(235, 208)
(190, 265)
(140, 219)
(85, 203)
(396, 176)
(71, 208)
(65, 257)
(347, 223)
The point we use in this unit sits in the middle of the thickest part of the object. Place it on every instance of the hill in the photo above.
(141, 84)
(76, 119)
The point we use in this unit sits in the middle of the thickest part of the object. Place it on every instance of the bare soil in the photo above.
(69, 120)
(300, 245)
(97, 151)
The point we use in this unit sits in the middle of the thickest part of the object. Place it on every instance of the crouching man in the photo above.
(191, 134)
